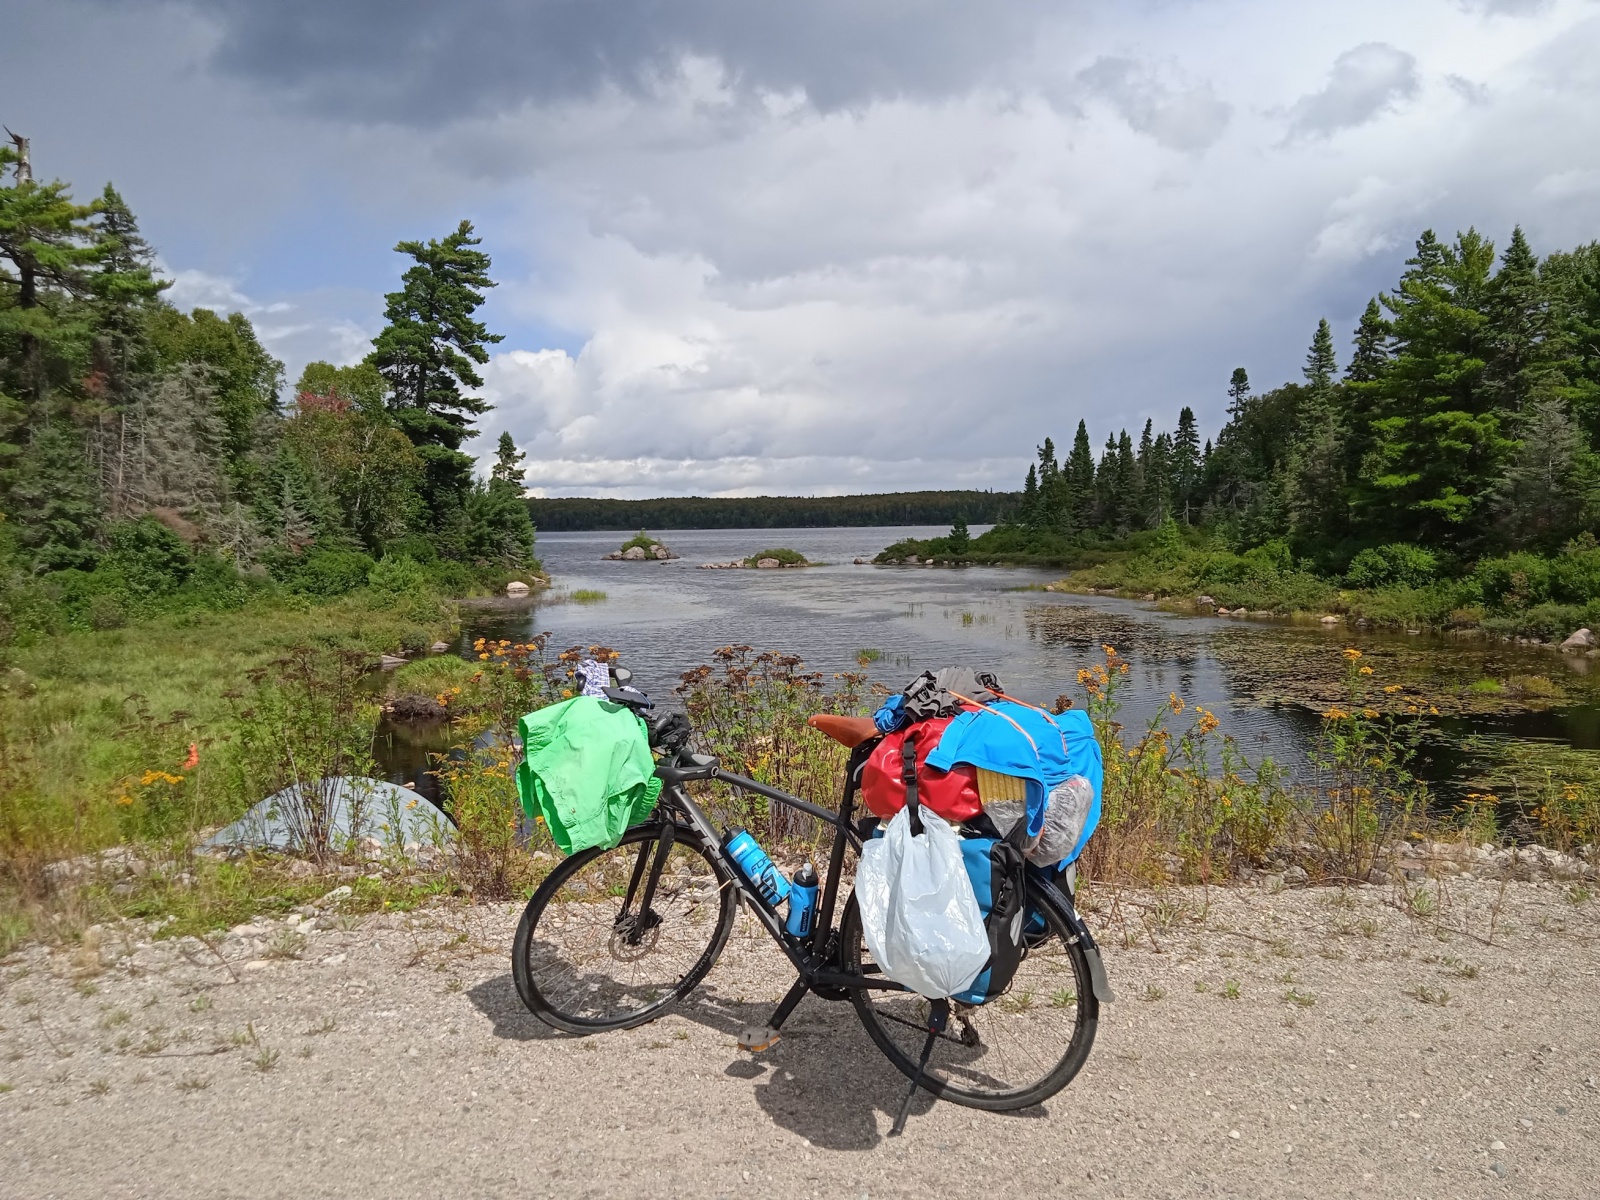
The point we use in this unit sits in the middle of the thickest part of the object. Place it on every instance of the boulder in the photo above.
(767, 564)
(660, 553)
(1330, 619)
(860, 562)
(515, 589)
(1205, 600)
(440, 647)
(634, 554)
(912, 559)
(1581, 640)
(390, 661)
(1148, 596)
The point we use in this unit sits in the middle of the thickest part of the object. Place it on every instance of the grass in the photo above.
(1424, 994)
(588, 596)
(121, 735)
(1063, 998)
(1152, 992)
(1230, 989)
(431, 675)
(190, 1084)
(1486, 687)
(1298, 998)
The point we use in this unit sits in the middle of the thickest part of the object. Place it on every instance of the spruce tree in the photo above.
(1321, 366)
(1518, 363)
(960, 540)
(1028, 511)
(124, 289)
(1372, 346)
(1238, 390)
(1186, 465)
(1080, 482)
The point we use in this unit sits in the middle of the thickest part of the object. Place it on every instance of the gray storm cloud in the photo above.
(422, 62)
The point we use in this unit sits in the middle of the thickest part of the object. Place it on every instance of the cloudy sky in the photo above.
(855, 245)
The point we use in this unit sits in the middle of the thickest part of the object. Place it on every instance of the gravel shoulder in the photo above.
(1311, 1042)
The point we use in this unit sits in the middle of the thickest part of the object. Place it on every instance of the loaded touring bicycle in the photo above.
(616, 935)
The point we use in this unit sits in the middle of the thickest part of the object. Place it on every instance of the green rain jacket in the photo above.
(587, 770)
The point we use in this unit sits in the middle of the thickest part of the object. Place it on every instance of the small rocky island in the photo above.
(763, 560)
(641, 547)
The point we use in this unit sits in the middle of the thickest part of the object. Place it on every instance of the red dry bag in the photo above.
(951, 794)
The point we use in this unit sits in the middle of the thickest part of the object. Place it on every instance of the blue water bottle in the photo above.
(802, 902)
(756, 867)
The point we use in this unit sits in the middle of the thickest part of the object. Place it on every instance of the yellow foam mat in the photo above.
(994, 788)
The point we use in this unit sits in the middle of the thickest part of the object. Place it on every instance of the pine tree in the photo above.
(1108, 506)
(55, 505)
(1238, 390)
(432, 344)
(1028, 511)
(1321, 367)
(50, 245)
(1372, 346)
(429, 352)
(508, 462)
(1314, 471)
(1186, 464)
(960, 540)
(1438, 445)
(1551, 487)
(1156, 487)
(124, 288)
(1080, 482)
(1518, 363)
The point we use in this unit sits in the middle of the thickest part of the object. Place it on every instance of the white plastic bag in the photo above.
(919, 915)
(1064, 817)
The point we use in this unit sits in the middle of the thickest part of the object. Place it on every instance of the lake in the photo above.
(1265, 679)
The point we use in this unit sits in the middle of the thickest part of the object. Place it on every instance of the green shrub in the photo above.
(789, 558)
(150, 559)
(330, 573)
(397, 576)
(641, 539)
(107, 611)
(1398, 564)
(413, 546)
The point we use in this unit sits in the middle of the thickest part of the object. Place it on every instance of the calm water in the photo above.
(1266, 680)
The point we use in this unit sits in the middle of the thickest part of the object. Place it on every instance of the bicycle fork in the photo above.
(633, 925)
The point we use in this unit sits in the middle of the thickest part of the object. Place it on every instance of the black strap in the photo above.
(908, 776)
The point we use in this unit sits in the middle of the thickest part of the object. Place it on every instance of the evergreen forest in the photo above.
(772, 512)
(1455, 450)
(152, 459)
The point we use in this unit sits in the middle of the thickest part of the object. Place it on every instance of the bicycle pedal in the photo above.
(757, 1038)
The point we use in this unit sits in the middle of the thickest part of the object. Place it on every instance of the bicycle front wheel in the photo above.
(587, 958)
(1016, 1050)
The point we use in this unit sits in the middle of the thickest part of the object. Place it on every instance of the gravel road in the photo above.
(1305, 1043)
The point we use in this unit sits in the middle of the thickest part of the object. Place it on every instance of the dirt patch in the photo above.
(1293, 1043)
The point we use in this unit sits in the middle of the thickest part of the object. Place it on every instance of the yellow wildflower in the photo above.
(1352, 653)
(1175, 702)
(1366, 671)
(1370, 714)
(1335, 714)
(1391, 689)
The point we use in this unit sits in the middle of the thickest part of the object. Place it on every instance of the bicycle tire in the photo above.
(969, 1073)
(566, 991)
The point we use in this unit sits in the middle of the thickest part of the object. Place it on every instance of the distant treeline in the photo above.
(772, 512)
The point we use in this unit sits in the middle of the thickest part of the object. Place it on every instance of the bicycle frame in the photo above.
(815, 957)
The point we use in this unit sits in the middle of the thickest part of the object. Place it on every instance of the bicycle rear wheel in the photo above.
(1017, 1050)
(586, 959)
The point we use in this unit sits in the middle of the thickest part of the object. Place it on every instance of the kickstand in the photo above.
(938, 1017)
